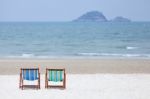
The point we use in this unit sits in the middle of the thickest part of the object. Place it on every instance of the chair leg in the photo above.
(45, 84)
(38, 84)
(46, 81)
(64, 82)
(22, 84)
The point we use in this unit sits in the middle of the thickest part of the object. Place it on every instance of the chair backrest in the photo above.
(56, 75)
(30, 73)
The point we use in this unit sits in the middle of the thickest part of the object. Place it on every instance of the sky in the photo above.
(67, 10)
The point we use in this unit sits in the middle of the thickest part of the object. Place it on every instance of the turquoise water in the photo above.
(74, 39)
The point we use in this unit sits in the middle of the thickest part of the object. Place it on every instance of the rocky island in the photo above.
(93, 16)
(96, 16)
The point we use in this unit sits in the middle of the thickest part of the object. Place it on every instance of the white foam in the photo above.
(89, 54)
(81, 55)
(113, 55)
(131, 47)
(21, 56)
(27, 55)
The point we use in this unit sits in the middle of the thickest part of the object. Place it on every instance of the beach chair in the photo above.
(55, 78)
(29, 75)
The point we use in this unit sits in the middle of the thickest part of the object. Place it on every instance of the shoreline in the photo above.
(31, 56)
(10, 66)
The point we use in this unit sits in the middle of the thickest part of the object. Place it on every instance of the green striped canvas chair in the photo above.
(29, 74)
(53, 76)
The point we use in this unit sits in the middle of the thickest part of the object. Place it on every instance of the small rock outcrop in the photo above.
(120, 19)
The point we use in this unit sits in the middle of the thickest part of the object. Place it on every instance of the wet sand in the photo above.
(78, 66)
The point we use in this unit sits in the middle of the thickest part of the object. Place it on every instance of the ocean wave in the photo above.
(88, 55)
(113, 55)
(27, 55)
(22, 56)
(131, 47)
(30, 56)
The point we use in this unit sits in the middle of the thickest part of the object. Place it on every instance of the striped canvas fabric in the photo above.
(55, 75)
(30, 74)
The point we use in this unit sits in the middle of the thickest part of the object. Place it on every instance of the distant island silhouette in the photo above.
(96, 16)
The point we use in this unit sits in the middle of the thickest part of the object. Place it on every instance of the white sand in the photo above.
(89, 86)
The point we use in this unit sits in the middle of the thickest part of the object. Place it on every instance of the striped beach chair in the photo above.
(55, 78)
(29, 74)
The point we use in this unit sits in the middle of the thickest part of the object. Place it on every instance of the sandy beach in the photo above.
(89, 86)
(86, 78)
(78, 66)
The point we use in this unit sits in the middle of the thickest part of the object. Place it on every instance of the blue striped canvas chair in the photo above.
(55, 76)
(29, 74)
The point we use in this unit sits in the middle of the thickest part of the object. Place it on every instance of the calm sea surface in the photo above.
(74, 39)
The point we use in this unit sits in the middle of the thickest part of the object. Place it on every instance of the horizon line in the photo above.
(70, 21)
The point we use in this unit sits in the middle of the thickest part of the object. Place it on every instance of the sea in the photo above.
(74, 39)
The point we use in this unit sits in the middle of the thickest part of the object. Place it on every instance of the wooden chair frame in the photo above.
(21, 82)
(47, 85)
